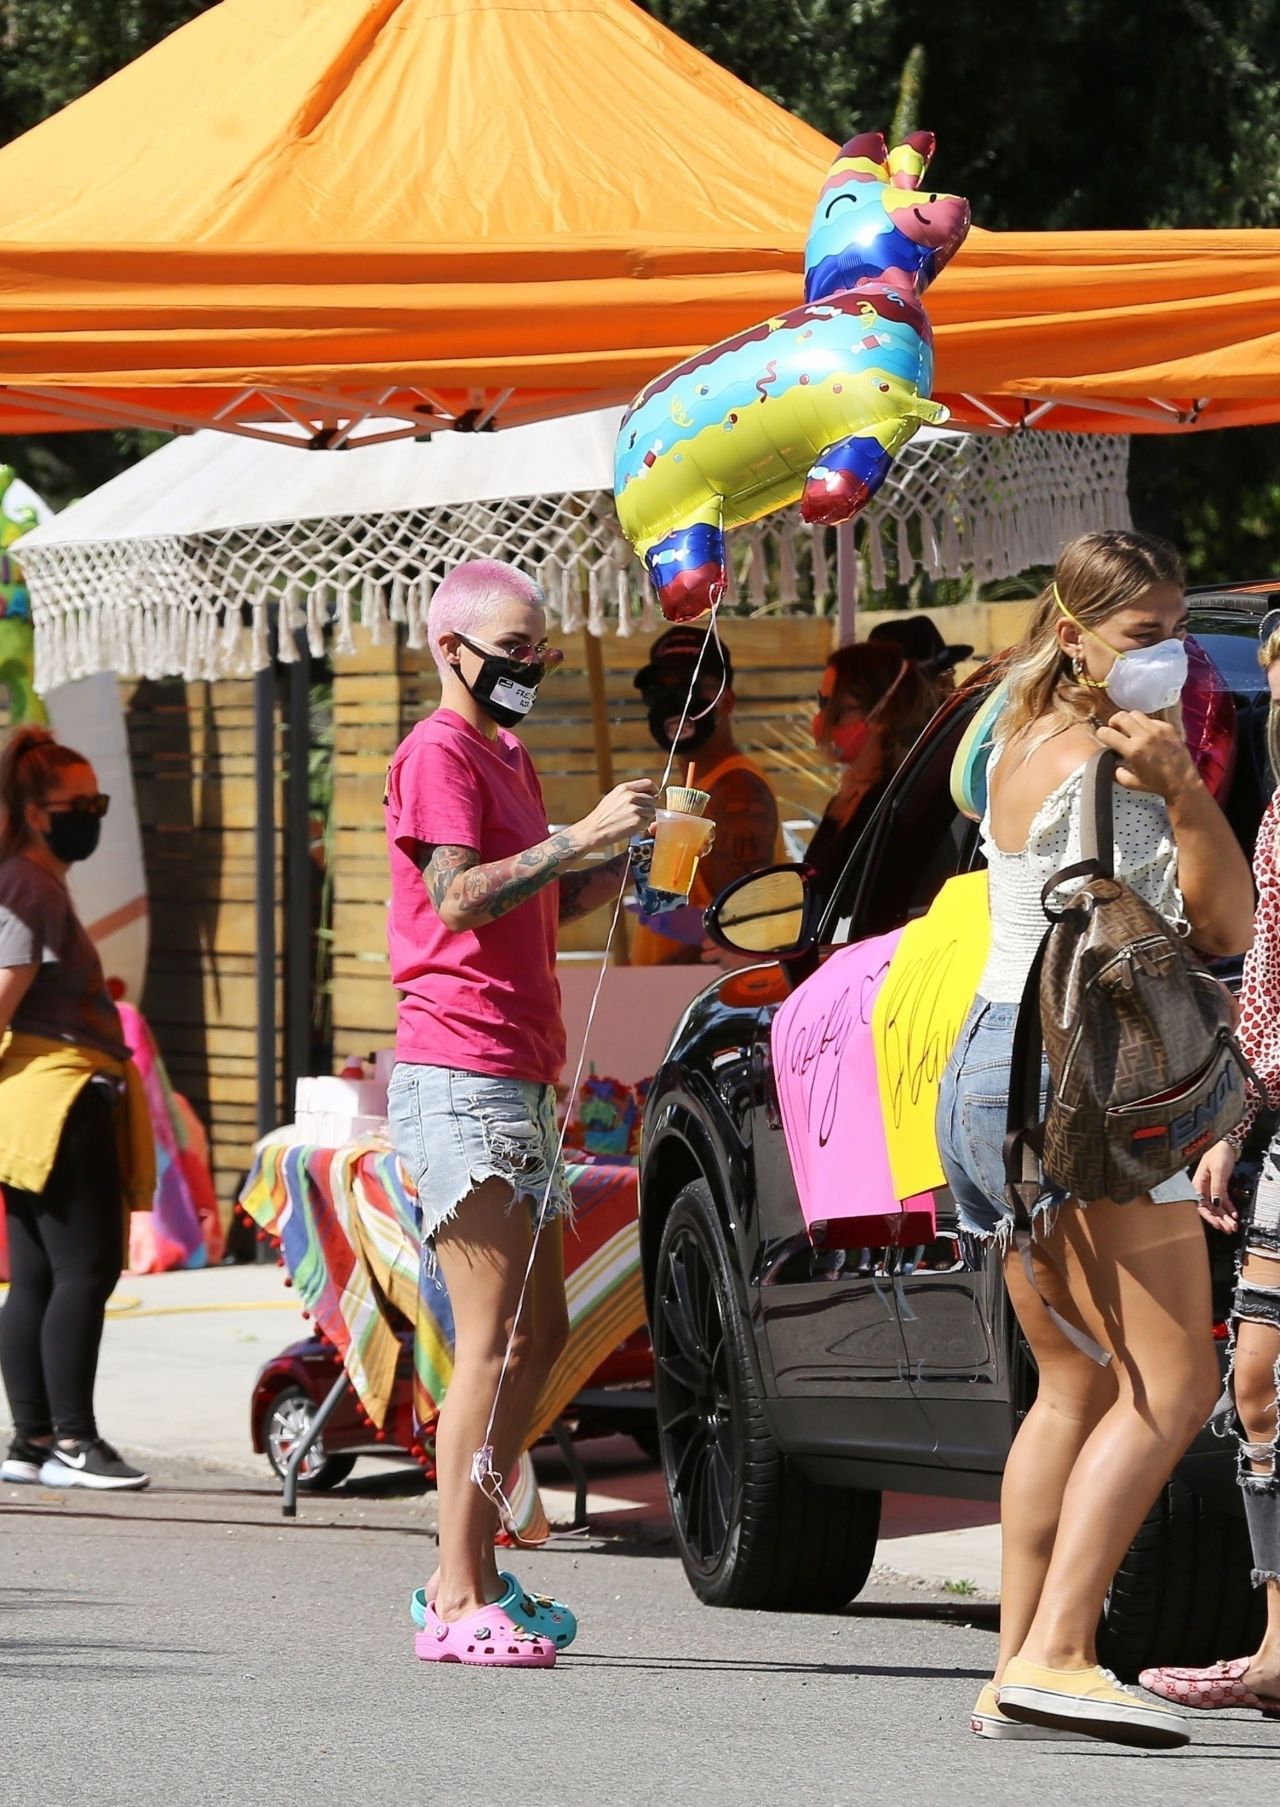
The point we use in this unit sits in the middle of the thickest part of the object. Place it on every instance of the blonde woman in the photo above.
(1102, 665)
(1249, 1406)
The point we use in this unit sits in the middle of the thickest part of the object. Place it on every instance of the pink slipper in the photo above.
(488, 1636)
(1220, 1685)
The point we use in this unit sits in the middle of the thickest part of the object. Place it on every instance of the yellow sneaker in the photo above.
(987, 1721)
(1091, 1701)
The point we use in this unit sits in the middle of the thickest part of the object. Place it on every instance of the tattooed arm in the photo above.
(746, 817)
(587, 890)
(467, 894)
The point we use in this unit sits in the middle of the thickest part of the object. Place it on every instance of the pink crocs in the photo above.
(1208, 1690)
(488, 1636)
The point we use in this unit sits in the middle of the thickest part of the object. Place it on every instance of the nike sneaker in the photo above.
(89, 1464)
(24, 1462)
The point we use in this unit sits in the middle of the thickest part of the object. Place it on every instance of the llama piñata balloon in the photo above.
(815, 403)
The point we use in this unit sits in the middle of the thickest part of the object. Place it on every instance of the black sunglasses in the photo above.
(81, 806)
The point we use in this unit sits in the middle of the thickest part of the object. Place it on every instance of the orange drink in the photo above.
(678, 841)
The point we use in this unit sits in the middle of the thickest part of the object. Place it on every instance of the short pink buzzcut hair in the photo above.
(467, 598)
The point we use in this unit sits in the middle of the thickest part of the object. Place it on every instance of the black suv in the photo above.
(795, 1384)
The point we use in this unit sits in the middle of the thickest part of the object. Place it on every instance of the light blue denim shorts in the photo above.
(973, 1107)
(455, 1130)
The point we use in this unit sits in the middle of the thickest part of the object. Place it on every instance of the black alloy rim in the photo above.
(695, 1401)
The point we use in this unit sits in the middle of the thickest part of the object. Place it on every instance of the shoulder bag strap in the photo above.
(1097, 824)
(1022, 1124)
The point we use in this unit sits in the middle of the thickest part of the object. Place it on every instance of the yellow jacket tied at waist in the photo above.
(40, 1080)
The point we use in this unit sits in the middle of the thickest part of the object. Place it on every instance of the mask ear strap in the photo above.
(1082, 677)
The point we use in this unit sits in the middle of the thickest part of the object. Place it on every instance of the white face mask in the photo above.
(1149, 678)
(1146, 679)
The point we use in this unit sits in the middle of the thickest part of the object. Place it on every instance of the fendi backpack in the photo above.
(1145, 1069)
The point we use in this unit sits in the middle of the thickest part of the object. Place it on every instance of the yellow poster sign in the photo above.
(931, 982)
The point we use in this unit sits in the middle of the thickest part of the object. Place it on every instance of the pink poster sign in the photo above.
(829, 1095)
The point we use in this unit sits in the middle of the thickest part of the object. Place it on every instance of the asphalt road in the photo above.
(185, 1646)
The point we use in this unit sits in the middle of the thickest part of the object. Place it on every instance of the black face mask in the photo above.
(72, 836)
(505, 689)
(666, 705)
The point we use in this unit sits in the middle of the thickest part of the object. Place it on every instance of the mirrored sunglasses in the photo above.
(524, 652)
(81, 806)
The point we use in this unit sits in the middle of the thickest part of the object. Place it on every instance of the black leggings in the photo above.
(65, 1254)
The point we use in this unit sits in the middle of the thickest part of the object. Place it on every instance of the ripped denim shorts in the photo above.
(1262, 1229)
(455, 1130)
(973, 1106)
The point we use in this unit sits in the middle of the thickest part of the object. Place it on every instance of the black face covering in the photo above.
(504, 688)
(666, 704)
(72, 836)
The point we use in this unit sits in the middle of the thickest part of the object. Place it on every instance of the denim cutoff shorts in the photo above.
(973, 1107)
(1262, 1230)
(454, 1130)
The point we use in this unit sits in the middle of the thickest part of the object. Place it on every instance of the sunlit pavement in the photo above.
(187, 1646)
(182, 1350)
(219, 1654)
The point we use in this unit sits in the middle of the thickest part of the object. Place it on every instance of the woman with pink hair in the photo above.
(478, 887)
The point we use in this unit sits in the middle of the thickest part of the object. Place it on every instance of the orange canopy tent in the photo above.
(333, 220)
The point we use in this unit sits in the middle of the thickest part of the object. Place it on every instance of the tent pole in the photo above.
(846, 583)
(298, 873)
(264, 706)
(594, 660)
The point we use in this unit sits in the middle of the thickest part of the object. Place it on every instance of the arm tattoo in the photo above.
(480, 894)
(584, 891)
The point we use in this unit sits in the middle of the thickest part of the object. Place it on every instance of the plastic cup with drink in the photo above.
(681, 835)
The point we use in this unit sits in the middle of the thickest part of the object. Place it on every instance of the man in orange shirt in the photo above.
(741, 805)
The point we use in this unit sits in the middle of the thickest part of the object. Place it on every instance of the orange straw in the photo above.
(688, 777)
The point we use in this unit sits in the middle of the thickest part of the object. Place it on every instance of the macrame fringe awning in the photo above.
(201, 605)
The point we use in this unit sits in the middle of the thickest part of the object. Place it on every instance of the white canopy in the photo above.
(176, 567)
(210, 480)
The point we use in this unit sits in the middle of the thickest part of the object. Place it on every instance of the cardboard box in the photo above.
(341, 1097)
(332, 1129)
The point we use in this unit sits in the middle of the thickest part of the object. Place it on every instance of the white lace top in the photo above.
(1146, 858)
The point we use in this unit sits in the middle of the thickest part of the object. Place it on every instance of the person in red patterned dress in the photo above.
(1248, 1407)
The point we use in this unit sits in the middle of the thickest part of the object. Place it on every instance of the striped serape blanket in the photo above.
(346, 1220)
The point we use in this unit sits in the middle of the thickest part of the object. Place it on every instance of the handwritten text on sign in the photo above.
(919, 1011)
(824, 1069)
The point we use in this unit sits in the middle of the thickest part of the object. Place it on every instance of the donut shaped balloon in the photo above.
(813, 404)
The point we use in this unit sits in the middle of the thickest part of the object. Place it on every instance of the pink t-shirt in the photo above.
(480, 1000)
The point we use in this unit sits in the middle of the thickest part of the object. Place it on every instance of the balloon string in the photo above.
(483, 1472)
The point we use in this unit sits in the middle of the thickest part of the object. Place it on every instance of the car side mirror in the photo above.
(768, 912)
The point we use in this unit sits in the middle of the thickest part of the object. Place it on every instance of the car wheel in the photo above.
(1183, 1595)
(753, 1531)
(287, 1419)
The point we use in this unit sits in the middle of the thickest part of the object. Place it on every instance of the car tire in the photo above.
(752, 1529)
(286, 1418)
(1183, 1595)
